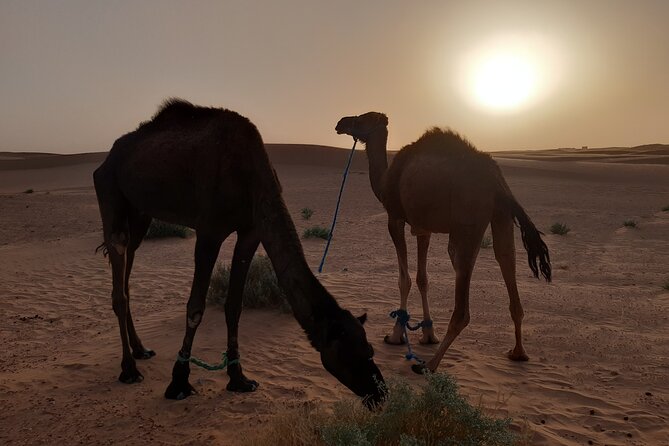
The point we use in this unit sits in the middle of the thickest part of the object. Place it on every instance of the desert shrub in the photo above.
(434, 415)
(161, 229)
(666, 208)
(629, 223)
(666, 286)
(260, 291)
(486, 242)
(559, 228)
(306, 213)
(28, 191)
(316, 232)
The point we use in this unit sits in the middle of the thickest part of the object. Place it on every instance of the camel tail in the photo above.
(537, 252)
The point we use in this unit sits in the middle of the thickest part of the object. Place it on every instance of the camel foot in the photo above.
(428, 337)
(517, 355)
(396, 337)
(389, 339)
(242, 385)
(239, 382)
(180, 388)
(420, 368)
(143, 354)
(129, 373)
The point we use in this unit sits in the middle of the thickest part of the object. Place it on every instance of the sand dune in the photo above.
(597, 336)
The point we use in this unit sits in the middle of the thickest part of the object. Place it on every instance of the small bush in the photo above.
(629, 223)
(161, 229)
(437, 415)
(306, 213)
(486, 242)
(28, 191)
(316, 232)
(260, 291)
(559, 229)
(666, 208)
(666, 286)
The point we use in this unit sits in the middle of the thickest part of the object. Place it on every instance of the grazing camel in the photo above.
(207, 169)
(442, 184)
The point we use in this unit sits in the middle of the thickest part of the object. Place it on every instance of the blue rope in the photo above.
(403, 319)
(334, 219)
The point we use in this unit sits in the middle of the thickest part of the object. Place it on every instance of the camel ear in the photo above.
(363, 318)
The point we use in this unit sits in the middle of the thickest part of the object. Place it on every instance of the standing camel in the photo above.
(207, 169)
(442, 184)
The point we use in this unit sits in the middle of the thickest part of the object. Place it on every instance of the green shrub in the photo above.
(435, 415)
(28, 191)
(559, 228)
(316, 232)
(666, 208)
(486, 242)
(629, 223)
(306, 213)
(260, 291)
(161, 229)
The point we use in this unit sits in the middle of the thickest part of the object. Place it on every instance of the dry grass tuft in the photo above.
(260, 291)
(434, 415)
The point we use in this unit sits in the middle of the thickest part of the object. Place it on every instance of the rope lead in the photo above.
(334, 219)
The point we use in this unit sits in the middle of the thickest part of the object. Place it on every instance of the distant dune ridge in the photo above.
(597, 336)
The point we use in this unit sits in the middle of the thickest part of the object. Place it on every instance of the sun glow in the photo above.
(508, 73)
(504, 81)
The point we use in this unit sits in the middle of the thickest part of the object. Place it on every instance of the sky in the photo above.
(76, 75)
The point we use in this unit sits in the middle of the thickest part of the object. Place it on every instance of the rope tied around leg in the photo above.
(205, 365)
(403, 318)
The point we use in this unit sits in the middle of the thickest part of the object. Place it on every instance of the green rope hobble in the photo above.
(205, 365)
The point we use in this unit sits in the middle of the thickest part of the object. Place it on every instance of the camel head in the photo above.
(363, 126)
(348, 356)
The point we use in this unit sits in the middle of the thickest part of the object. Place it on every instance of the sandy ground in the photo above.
(597, 336)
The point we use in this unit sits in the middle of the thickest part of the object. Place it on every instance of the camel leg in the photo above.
(423, 242)
(505, 253)
(138, 225)
(246, 246)
(206, 252)
(396, 229)
(463, 247)
(114, 214)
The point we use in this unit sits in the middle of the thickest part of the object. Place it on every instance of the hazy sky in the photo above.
(75, 75)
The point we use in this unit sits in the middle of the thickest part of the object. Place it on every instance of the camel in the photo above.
(442, 184)
(206, 168)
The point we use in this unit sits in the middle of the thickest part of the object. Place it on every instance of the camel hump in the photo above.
(179, 113)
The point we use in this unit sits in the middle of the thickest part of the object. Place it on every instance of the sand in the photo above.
(597, 336)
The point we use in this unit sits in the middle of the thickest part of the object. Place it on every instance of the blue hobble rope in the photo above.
(205, 365)
(403, 319)
(334, 219)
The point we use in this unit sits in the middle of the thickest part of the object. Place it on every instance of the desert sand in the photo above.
(597, 336)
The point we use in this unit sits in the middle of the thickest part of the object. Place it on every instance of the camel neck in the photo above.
(378, 160)
(312, 305)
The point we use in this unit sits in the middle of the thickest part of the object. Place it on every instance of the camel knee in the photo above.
(459, 321)
(194, 316)
(119, 242)
(517, 313)
(422, 281)
(404, 282)
(120, 304)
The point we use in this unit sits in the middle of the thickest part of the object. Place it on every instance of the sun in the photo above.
(508, 73)
(504, 81)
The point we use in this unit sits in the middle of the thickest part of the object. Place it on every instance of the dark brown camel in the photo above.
(442, 184)
(207, 169)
